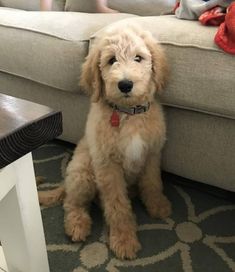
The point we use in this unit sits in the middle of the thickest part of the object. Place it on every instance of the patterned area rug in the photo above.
(199, 236)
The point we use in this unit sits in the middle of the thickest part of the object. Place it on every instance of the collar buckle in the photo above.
(139, 109)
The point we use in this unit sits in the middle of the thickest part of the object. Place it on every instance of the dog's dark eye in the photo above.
(138, 58)
(112, 60)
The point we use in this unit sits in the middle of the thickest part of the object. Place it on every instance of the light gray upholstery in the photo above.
(46, 52)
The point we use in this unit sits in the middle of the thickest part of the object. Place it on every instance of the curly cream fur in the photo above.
(110, 159)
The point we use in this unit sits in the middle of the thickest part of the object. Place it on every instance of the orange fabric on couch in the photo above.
(225, 36)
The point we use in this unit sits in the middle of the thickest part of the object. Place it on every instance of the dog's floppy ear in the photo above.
(159, 63)
(91, 81)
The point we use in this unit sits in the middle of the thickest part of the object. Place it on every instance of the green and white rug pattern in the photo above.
(198, 237)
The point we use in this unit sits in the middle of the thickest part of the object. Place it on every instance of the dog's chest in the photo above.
(129, 145)
(133, 150)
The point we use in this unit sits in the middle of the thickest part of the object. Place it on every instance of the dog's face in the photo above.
(125, 67)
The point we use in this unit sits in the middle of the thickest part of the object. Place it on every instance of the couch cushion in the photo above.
(48, 47)
(139, 7)
(58, 5)
(202, 76)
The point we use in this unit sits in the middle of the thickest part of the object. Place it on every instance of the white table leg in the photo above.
(3, 264)
(21, 230)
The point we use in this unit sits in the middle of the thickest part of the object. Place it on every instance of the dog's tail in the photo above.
(51, 197)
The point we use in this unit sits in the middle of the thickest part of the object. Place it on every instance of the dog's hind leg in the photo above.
(51, 197)
(80, 189)
(150, 187)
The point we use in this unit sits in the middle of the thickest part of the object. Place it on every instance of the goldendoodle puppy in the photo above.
(124, 135)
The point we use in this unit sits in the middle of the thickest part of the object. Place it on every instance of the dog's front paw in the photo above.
(159, 207)
(78, 225)
(125, 246)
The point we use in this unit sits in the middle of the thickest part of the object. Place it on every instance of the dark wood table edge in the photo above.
(14, 145)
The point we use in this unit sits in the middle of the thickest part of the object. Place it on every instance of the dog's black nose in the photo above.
(125, 86)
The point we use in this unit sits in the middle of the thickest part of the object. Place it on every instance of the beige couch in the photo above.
(41, 56)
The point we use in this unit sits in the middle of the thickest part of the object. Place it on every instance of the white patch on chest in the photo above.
(135, 149)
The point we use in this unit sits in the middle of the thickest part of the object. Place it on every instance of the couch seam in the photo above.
(198, 110)
(38, 82)
(191, 45)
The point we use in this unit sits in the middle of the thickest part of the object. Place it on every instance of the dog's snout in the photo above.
(125, 85)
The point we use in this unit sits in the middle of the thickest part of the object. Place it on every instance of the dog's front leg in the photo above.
(117, 210)
(150, 187)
